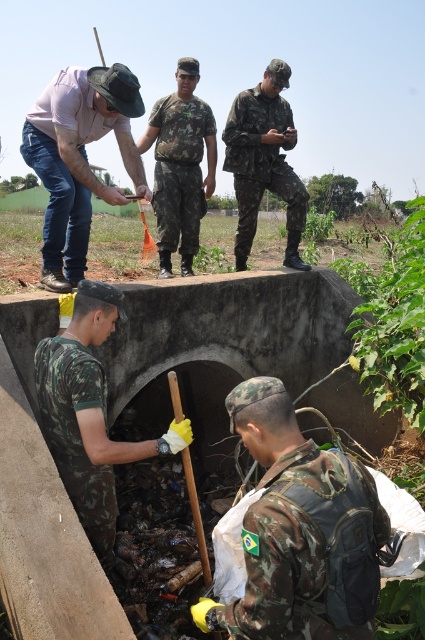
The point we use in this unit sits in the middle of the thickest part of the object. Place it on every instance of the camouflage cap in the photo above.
(250, 391)
(104, 292)
(281, 71)
(190, 65)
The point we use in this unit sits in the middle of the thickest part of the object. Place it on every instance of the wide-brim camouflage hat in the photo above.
(104, 292)
(119, 87)
(189, 65)
(250, 391)
(281, 72)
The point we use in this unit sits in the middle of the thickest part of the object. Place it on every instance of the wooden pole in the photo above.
(190, 481)
(99, 47)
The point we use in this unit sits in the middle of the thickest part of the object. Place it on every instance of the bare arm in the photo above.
(133, 163)
(101, 450)
(79, 167)
(209, 182)
(147, 139)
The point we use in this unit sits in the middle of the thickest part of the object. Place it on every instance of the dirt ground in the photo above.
(24, 275)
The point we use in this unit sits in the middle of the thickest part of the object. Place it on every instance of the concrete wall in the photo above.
(290, 325)
(219, 330)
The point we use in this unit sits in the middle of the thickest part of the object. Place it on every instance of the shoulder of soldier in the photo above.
(43, 345)
(44, 342)
(201, 102)
(246, 94)
(274, 512)
(161, 102)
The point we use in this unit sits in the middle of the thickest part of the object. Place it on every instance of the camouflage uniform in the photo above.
(286, 558)
(257, 167)
(68, 379)
(178, 197)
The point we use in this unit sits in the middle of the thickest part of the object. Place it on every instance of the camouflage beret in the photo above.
(250, 391)
(281, 71)
(190, 65)
(104, 292)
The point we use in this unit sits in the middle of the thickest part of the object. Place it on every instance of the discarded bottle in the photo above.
(175, 486)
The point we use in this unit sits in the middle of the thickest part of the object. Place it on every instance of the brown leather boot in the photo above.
(54, 281)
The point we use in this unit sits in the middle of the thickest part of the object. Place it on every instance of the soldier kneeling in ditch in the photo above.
(72, 392)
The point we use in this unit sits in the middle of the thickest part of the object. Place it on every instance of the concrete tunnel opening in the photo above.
(203, 386)
(155, 530)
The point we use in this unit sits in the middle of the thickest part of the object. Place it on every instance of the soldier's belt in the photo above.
(182, 163)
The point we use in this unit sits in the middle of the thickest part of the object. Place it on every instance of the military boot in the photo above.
(292, 257)
(241, 263)
(186, 266)
(165, 267)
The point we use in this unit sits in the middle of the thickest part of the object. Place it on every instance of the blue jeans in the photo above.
(67, 219)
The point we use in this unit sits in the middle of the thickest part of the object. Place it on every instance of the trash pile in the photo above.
(158, 573)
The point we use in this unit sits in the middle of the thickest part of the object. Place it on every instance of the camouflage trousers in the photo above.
(285, 184)
(92, 492)
(179, 204)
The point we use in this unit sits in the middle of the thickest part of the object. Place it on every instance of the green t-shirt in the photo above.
(68, 378)
(183, 126)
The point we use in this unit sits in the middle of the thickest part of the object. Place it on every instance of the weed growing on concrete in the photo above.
(214, 261)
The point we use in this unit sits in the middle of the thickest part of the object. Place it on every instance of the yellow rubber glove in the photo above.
(200, 610)
(179, 435)
(66, 309)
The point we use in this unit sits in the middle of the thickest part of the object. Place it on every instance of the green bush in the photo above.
(319, 227)
(401, 612)
(359, 275)
(389, 331)
(311, 253)
(215, 261)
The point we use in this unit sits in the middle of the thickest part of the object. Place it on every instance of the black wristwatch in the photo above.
(211, 620)
(163, 447)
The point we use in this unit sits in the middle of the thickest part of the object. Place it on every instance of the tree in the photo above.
(400, 205)
(109, 180)
(334, 193)
(31, 181)
(228, 202)
(214, 202)
(271, 202)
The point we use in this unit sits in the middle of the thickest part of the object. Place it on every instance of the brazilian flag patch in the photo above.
(251, 543)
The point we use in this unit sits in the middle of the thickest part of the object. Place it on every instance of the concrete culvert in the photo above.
(214, 331)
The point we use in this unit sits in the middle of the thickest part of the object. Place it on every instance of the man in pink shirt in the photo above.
(79, 106)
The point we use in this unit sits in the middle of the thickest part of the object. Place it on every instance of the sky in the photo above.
(357, 87)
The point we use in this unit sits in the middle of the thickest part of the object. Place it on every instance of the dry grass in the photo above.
(116, 243)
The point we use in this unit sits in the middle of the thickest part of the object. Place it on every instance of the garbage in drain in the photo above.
(158, 573)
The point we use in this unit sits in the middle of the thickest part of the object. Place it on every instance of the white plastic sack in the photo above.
(406, 514)
(404, 511)
(230, 573)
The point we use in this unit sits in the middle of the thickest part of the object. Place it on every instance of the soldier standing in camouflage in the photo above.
(180, 123)
(71, 392)
(260, 122)
(284, 551)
